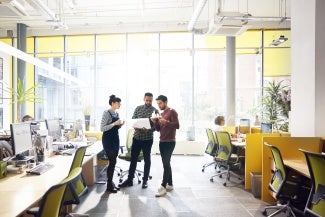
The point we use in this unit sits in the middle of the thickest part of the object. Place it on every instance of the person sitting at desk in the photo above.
(27, 118)
(220, 122)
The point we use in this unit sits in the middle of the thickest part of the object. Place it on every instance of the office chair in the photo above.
(78, 187)
(103, 163)
(211, 149)
(285, 187)
(51, 202)
(6, 149)
(316, 201)
(127, 156)
(224, 156)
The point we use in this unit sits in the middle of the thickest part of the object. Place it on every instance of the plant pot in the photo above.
(87, 122)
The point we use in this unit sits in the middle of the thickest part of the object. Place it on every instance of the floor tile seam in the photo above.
(242, 205)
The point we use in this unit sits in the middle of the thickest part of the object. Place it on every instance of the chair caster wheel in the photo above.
(211, 180)
(202, 170)
(220, 176)
(150, 177)
(264, 213)
(224, 184)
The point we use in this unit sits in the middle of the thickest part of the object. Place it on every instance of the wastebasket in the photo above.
(256, 182)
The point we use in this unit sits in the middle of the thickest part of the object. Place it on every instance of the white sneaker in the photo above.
(161, 191)
(169, 188)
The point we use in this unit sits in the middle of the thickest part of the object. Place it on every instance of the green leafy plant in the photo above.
(20, 95)
(276, 105)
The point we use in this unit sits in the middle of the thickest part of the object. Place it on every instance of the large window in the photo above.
(189, 70)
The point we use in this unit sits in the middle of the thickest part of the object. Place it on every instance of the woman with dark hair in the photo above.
(110, 125)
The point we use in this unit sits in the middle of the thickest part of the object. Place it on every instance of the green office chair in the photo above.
(285, 187)
(127, 156)
(224, 156)
(78, 187)
(211, 149)
(51, 202)
(316, 200)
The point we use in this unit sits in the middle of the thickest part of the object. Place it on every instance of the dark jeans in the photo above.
(137, 146)
(111, 155)
(166, 151)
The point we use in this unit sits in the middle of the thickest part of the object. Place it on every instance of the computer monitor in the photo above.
(54, 128)
(266, 128)
(21, 135)
(244, 126)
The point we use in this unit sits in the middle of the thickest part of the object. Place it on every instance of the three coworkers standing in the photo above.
(142, 140)
(110, 124)
(166, 124)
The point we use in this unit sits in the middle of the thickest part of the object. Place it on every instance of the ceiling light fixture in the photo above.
(278, 41)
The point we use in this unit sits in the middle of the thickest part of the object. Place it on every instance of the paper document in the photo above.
(141, 123)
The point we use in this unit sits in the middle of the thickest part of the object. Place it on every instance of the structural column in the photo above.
(307, 68)
(21, 65)
(231, 80)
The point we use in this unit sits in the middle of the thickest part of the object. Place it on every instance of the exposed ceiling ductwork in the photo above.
(227, 23)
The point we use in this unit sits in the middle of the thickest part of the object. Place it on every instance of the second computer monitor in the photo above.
(266, 128)
(21, 137)
(54, 128)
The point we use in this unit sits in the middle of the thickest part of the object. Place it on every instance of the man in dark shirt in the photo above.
(142, 140)
(167, 124)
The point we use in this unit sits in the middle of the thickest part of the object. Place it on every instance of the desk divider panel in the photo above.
(289, 148)
(253, 154)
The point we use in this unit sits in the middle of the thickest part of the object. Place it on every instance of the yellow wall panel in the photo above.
(114, 42)
(83, 43)
(30, 46)
(249, 39)
(277, 62)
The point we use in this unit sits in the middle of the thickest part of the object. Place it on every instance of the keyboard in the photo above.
(70, 151)
(40, 169)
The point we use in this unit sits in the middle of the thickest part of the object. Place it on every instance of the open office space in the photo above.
(210, 58)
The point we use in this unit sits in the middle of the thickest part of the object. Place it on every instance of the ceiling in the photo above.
(108, 16)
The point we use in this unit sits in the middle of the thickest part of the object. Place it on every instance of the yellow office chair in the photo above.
(78, 187)
(211, 149)
(286, 188)
(50, 204)
(224, 156)
(127, 156)
(316, 201)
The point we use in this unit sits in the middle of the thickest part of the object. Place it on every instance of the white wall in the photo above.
(307, 64)
(5, 102)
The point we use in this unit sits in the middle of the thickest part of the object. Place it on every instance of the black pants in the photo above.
(111, 155)
(166, 150)
(137, 146)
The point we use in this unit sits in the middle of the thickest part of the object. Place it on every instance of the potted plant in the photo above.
(276, 105)
(21, 95)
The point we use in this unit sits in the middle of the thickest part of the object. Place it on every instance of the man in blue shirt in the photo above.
(142, 140)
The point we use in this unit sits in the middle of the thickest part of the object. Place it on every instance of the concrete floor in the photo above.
(193, 196)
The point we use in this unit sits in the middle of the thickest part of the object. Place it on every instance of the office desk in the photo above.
(20, 191)
(298, 166)
(238, 144)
